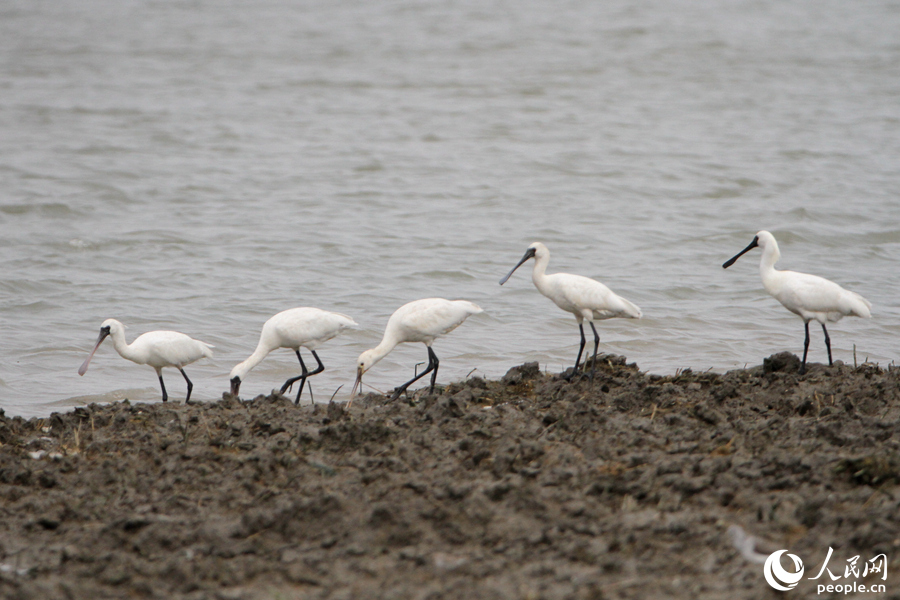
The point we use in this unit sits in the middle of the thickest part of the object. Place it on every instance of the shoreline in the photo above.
(526, 486)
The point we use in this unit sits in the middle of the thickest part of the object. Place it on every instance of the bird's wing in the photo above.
(578, 292)
(170, 348)
(433, 317)
(805, 293)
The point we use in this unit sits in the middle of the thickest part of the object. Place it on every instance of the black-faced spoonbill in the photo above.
(155, 348)
(418, 321)
(585, 298)
(809, 296)
(293, 328)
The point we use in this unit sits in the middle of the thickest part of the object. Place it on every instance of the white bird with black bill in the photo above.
(418, 321)
(587, 299)
(809, 296)
(304, 326)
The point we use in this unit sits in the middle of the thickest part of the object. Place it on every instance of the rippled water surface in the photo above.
(200, 166)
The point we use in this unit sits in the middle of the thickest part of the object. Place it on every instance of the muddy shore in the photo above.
(528, 487)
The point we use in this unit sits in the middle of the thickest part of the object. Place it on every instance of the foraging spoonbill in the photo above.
(293, 328)
(155, 348)
(808, 296)
(418, 321)
(585, 298)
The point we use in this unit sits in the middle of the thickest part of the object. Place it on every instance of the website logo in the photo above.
(777, 576)
(783, 580)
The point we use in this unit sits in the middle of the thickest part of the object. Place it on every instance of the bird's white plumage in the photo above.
(155, 348)
(418, 321)
(587, 299)
(304, 326)
(162, 349)
(426, 320)
(584, 297)
(809, 296)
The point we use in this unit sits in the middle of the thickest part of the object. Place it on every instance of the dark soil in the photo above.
(529, 487)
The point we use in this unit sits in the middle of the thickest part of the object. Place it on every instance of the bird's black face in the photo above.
(104, 331)
(732, 260)
(235, 385)
(528, 254)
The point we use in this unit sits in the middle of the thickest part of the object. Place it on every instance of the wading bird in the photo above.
(155, 348)
(585, 298)
(808, 296)
(418, 321)
(293, 328)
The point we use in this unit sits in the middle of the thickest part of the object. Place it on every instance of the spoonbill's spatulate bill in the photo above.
(418, 321)
(155, 348)
(808, 296)
(585, 298)
(293, 328)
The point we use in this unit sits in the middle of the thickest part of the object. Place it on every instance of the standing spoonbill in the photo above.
(809, 296)
(585, 298)
(418, 321)
(293, 328)
(155, 348)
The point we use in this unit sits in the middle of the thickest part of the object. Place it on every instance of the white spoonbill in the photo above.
(305, 326)
(585, 298)
(155, 348)
(418, 321)
(809, 296)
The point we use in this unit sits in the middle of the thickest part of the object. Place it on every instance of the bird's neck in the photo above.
(387, 344)
(241, 370)
(539, 273)
(767, 270)
(121, 346)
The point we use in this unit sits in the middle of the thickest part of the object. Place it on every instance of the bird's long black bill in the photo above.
(357, 385)
(732, 260)
(84, 366)
(528, 254)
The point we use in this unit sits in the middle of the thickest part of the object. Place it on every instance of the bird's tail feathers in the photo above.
(353, 324)
(859, 306)
(631, 309)
(473, 308)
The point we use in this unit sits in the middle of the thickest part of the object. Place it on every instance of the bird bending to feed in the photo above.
(293, 328)
(418, 321)
(155, 348)
(809, 296)
(585, 298)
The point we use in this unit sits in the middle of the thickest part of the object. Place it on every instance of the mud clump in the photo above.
(534, 486)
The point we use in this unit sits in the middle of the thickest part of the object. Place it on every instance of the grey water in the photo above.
(200, 165)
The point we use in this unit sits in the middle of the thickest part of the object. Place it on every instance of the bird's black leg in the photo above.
(432, 356)
(580, 350)
(319, 369)
(432, 364)
(805, 348)
(596, 345)
(301, 378)
(162, 385)
(190, 385)
(827, 344)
